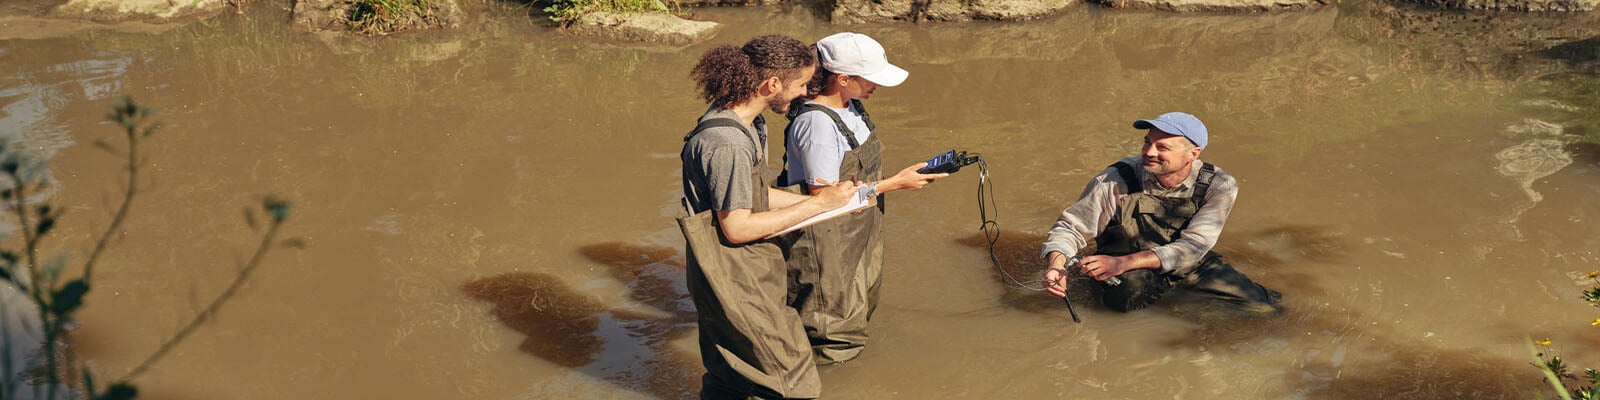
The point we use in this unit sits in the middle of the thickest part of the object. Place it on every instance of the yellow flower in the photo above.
(1593, 274)
(1543, 342)
(1595, 323)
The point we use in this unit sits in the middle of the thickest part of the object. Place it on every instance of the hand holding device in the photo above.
(949, 162)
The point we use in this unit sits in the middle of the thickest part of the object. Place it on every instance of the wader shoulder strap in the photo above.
(719, 122)
(865, 116)
(1128, 176)
(849, 136)
(1202, 183)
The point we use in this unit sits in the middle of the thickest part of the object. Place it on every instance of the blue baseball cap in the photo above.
(1177, 123)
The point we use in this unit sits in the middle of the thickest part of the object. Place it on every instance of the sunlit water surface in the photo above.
(487, 212)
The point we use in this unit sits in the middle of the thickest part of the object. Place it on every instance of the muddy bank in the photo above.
(39, 19)
(662, 29)
(140, 10)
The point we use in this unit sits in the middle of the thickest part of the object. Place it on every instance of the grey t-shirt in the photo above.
(718, 162)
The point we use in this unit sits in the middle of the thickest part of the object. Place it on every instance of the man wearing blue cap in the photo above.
(1154, 219)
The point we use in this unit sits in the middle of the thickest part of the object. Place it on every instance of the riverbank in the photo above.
(664, 23)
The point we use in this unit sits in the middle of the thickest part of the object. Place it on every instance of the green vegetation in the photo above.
(567, 11)
(379, 17)
(50, 369)
(1558, 373)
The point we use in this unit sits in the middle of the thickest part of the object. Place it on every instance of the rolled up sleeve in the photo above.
(1085, 218)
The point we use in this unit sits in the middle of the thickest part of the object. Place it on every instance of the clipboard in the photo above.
(864, 197)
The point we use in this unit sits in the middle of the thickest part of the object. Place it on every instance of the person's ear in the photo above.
(770, 85)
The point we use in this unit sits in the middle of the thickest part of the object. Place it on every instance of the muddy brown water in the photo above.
(488, 211)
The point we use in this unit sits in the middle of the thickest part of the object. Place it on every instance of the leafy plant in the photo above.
(55, 372)
(378, 17)
(1557, 372)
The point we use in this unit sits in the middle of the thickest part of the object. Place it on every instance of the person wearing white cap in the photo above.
(1154, 219)
(837, 264)
(751, 343)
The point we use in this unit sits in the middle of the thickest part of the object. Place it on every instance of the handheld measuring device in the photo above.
(948, 163)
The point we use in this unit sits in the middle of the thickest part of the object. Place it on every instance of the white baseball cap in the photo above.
(854, 54)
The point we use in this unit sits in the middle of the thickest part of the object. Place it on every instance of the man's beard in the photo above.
(777, 104)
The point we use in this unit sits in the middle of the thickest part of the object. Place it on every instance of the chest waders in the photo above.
(752, 344)
(1146, 221)
(836, 266)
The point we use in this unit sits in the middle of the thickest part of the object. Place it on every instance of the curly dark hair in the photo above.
(729, 76)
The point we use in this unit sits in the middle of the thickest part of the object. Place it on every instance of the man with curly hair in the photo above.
(751, 342)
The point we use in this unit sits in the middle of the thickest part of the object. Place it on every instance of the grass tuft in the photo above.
(379, 17)
(567, 11)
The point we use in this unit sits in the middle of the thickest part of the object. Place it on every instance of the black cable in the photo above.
(991, 232)
(991, 227)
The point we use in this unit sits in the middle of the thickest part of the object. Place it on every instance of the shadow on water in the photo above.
(1580, 51)
(559, 322)
(622, 346)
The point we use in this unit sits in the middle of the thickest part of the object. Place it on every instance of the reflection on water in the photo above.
(654, 277)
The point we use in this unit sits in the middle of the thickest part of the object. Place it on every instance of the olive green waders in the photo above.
(836, 266)
(1144, 222)
(752, 344)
